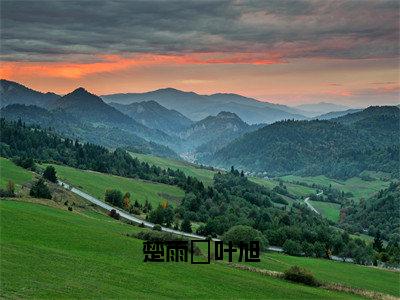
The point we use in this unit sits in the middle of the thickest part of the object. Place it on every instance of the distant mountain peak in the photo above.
(80, 91)
(227, 115)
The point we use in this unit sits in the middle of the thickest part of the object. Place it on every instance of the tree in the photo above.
(292, 248)
(245, 234)
(40, 190)
(114, 197)
(50, 174)
(378, 243)
(186, 226)
(11, 188)
(126, 201)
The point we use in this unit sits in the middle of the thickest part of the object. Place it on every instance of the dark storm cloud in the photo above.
(59, 30)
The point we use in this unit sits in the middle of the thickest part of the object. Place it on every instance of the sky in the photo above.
(281, 51)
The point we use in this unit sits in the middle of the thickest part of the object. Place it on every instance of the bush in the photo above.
(292, 248)
(245, 234)
(157, 227)
(40, 190)
(300, 275)
(113, 214)
(50, 174)
(9, 191)
(114, 197)
(186, 226)
(69, 208)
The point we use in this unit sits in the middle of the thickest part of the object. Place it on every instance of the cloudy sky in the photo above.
(282, 51)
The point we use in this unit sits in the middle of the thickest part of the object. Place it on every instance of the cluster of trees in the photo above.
(118, 199)
(40, 189)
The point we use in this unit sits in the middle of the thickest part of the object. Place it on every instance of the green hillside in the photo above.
(327, 209)
(189, 169)
(87, 255)
(10, 171)
(96, 184)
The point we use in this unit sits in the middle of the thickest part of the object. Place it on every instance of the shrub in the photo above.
(186, 226)
(9, 191)
(157, 227)
(245, 234)
(69, 208)
(114, 197)
(113, 214)
(292, 248)
(300, 275)
(40, 190)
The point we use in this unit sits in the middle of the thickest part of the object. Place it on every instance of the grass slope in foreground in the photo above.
(189, 169)
(52, 253)
(328, 210)
(96, 184)
(10, 171)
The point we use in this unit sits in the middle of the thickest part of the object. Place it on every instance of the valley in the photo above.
(281, 183)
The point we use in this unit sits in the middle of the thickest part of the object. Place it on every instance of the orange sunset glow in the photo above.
(254, 53)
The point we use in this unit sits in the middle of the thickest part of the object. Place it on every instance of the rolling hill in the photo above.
(313, 109)
(318, 147)
(335, 114)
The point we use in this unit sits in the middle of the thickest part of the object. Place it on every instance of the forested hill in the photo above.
(72, 127)
(380, 214)
(319, 147)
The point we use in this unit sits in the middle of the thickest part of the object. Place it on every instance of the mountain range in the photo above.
(197, 107)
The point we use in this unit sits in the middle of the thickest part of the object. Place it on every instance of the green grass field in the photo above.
(358, 187)
(353, 275)
(54, 253)
(96, 184)
(10, 171)
(328, 210)
(189, 169)
(294, 189)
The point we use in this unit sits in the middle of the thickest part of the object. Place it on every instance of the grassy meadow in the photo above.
(189, 169)
(355, 185)
(96, 184)
(328, 210)
(10, 171)
(48, 252)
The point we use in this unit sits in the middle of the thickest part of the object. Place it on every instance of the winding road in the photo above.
(124, 214)
(310, 206)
